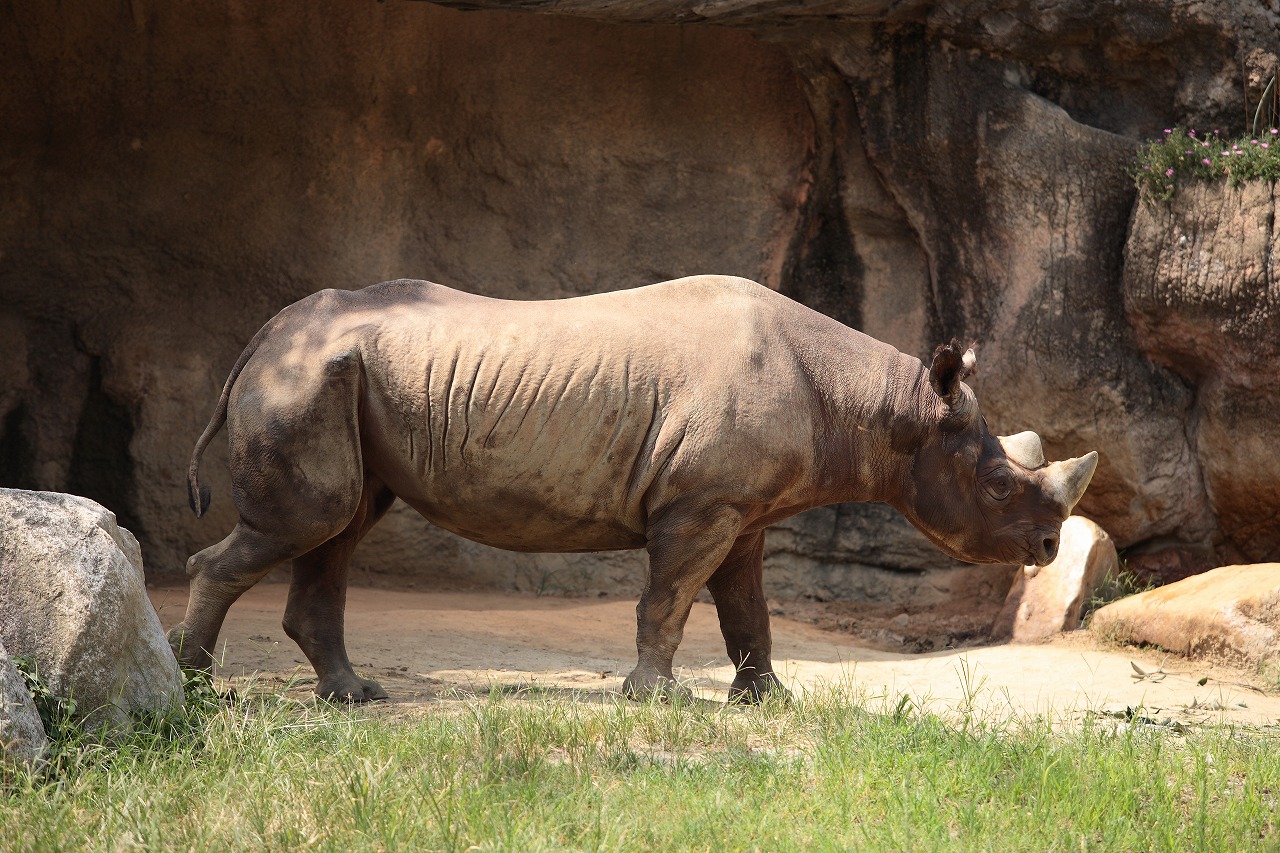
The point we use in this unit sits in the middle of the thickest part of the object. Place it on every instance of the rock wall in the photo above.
(1202, 290)
(174, 175)
(181, 173)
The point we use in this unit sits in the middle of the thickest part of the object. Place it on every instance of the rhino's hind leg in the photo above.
(219, 575)
(685, 548)
(297, 475)
(314, 617)
(738, 589)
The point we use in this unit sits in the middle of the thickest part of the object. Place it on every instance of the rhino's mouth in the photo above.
(1016, 547)
(1008, 555)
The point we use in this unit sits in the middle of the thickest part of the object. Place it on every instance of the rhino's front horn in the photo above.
(1070, 477)
(1024, 448)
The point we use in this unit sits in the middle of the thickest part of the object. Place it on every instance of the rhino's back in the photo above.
(559, 425)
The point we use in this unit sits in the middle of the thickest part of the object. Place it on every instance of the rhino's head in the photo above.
(984, 498)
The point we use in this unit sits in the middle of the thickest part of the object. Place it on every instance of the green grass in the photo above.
(543, 771)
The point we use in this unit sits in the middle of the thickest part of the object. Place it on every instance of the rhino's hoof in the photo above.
(648, 687)
(188, 652)
(757, 690)
(351, 689)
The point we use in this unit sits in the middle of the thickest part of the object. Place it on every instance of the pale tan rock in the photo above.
(1231, 613)
(1049, 601)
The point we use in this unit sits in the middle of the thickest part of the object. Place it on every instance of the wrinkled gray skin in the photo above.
(682, 418)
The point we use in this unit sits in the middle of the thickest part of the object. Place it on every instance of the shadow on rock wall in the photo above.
(175, 175)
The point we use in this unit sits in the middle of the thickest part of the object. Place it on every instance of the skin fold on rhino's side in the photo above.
(682, 418)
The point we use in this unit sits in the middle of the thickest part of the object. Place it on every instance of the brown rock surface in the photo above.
(178, 176)
(1230, 613)
(1045, 603)
(172, 175)
(1202, 290)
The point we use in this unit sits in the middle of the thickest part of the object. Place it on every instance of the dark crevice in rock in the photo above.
(823, 269)
(16, 451)
(102, 467)
(1168, 559)
(914, 147)
(935, 328)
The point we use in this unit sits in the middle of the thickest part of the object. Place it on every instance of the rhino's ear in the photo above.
(952, 363)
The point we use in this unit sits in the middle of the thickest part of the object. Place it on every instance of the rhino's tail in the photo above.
(198, 495)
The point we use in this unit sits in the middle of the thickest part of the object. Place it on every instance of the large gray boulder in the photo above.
(22, 736)
(74, 602)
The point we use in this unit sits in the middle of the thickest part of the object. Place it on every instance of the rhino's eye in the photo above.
(999, 484)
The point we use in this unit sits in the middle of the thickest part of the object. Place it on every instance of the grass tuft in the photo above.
(1114, 587)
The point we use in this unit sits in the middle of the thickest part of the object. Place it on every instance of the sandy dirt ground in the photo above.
(422, 646)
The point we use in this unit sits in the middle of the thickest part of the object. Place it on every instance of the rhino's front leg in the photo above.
(738, 589)
(685, 548)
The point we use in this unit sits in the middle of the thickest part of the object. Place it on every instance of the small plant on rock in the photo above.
(57, 713)
(1187, 155)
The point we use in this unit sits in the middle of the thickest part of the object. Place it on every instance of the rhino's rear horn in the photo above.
(1024, 448)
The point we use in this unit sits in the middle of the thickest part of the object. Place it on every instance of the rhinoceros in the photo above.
(683, 418)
